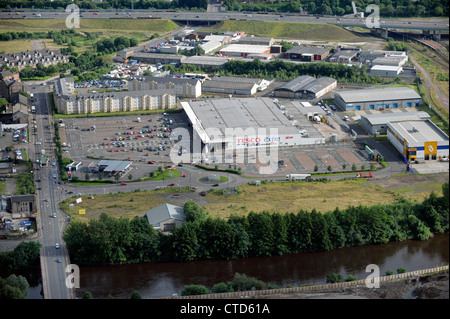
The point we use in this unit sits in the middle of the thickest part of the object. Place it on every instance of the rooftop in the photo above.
(235, 113)
(419, 131)
(367, 95)
(383, 118)
(114, 166)
(306, 50)
(165, 212)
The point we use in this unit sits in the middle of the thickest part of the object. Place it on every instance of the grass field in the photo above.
(93, 25)
(288, 30)
(273, 197)
(127, 205)
(139, 29)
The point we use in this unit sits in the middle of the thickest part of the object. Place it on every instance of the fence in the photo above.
(361, 282)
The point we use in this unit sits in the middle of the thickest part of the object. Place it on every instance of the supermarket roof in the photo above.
(236, 113)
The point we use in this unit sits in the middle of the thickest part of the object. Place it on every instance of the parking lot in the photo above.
(139, 138)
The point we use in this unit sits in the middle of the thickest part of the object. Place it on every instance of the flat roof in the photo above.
(206, 60)
(383, 118)
(246, 48)
(237, 113)
(114, 166)
(419, 131)
(387, 94)
(386, 67)
(308, 50)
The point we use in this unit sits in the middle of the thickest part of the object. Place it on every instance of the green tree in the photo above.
(15, 287)
(135, 295)
(221, 287)
(334, 278)
(87, 295)
(185, 242)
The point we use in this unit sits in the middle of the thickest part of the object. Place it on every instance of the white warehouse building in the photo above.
(252, 120)
(377, 99)
(418, 140)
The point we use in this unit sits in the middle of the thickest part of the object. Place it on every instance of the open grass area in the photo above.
(15, 46)
(126, 205)
(278, 197)
(283, 197)
(288, 30)
(93, 25)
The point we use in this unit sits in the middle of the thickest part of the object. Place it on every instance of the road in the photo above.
(212, 17)
(50, 220)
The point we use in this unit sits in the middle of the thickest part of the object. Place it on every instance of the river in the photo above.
(154, 280)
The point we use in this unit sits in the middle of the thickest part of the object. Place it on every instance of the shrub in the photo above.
(190, 290)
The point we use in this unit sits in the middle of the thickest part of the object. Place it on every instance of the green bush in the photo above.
(191, 290)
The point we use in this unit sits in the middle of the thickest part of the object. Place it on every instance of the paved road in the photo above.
(50, 220)
(198, 17)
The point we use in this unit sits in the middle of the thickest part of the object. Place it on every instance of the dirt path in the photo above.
(441, 97)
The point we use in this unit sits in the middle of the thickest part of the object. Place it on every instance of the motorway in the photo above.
(441, 24)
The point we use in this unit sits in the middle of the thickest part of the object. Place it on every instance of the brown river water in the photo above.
(155, 280)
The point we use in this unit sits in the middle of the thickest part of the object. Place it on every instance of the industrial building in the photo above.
(256, 40)
(377, 123)
(155, 58)
(234, 85)
(307, 54)
(343, 56)
(183, 87)
(244, 50)
(306, 87)
(367, 56)
(377, 99)
(390, 60)
(232, 123)
(386, 70)
(206, 61)
(418, 140)
(68, 103)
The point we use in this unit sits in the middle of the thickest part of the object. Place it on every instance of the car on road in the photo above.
(150, 162)
(57, 245)
(54, 215)
(54, 175)
(46, 200)
(59, 260)
(172, 184)
(215, 184)
(184, 175)
(123, 183)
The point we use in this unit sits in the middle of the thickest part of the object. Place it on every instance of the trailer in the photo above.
(298, 177)
(364, 175)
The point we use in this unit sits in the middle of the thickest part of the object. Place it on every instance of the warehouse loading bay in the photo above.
(145, 139)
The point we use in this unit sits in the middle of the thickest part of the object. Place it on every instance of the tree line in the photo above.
(113, 241)
(285, 71)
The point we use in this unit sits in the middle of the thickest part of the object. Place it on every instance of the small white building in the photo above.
(165, 217)
(386, 70)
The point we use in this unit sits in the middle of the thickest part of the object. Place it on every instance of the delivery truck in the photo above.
(298, 177)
